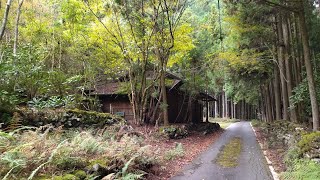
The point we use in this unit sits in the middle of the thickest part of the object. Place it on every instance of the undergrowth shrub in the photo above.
(256, 123)
(178, 151)
(59, 154)
(309, 145)
(301, 147)
(86, 142)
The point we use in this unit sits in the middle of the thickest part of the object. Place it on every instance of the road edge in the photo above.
(273, 172)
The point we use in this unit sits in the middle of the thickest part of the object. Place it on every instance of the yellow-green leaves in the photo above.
(183, 43)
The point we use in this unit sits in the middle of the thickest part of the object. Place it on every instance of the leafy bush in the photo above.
(178, 151)
(52, 102)
(8, 101)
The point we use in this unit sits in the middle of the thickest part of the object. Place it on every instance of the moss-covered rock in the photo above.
(309, 145)
(175, 132)
(80, 174)
(205, 128)
(68, 118)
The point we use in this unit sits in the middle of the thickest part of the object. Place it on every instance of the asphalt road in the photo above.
(251, 165)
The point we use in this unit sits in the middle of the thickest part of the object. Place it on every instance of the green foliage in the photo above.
(8, 101)
(13, 159)
(174, 153)
(256, 123)
(132, 176)
(80, 174)
(5, 118)
(66, 159)
(300, 146)
(301, 94)
(44, 152)
(52, 102)
(302, 169)
(292, 156)
(88, 143)
(309, 144)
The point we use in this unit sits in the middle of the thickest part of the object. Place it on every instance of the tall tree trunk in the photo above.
(226, 105)
(164, 97)
(5, 19)
(207, 110)
(283, 80)
(16, 32)
(277, 94)
(216, 109)
(287, 59)
(307, 61)
(231, 108)
(272, 101)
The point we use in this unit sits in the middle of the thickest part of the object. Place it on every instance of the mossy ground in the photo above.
(229, 155)
(223, 122)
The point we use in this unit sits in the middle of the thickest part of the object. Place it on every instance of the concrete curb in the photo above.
(273, 172)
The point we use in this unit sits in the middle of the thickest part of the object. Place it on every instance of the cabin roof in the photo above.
(121, 88)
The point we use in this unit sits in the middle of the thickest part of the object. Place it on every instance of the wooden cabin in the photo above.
(117, 102)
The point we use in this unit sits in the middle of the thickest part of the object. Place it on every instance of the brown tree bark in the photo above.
(268, 104)
(307, 61)
(282, 69)
(5, 19)
(277, 94)
(287, 59)
(164, 98)
(16, 32)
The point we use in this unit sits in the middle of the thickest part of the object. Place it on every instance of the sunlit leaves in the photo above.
(183, 44)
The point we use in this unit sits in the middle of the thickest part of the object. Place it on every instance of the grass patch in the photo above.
(223, 122)
(302, 169)
(229, 155)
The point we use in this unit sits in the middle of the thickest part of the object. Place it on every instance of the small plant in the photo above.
(86, 142)
(178, 151)
(52, 102)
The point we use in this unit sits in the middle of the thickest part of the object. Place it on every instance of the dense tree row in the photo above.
(277, 51)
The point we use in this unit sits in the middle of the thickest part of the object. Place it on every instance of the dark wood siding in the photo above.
(177, 107)
(116, 104)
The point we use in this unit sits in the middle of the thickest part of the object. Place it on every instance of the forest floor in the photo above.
(276, 154)
(193, 145)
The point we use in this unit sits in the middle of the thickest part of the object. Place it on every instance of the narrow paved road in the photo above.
(252, 165)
